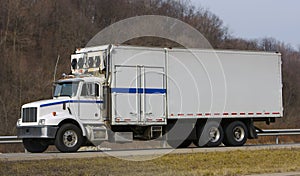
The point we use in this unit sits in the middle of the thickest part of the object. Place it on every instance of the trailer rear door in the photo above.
(139, 96)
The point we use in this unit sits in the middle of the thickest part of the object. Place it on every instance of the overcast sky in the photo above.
(255, 19)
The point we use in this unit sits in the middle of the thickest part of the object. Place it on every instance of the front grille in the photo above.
(29, 115)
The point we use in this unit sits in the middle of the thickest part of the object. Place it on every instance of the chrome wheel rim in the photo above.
(239, 133)
(214, 134)
(70, 138)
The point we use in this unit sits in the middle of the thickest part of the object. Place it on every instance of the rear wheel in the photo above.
(68, 138)
(35, 145)
(178, 133)
(210, 134)
(236, 134)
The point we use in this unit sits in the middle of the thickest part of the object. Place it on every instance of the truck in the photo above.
(120, 93)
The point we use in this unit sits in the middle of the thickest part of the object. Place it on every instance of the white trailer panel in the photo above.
(151, 84)
(224, 84)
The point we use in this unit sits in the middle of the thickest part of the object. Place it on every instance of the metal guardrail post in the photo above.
(277, 133)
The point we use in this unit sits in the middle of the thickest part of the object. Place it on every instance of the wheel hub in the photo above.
(214, 134)
(239, 134)
(70, 138)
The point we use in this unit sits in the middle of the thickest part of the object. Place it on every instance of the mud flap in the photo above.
(251, 130)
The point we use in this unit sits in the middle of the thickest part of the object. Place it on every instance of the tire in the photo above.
(35, 145)
(178, 134)
(179, 144)
(68, 138)
(210, 134)
(236, 134)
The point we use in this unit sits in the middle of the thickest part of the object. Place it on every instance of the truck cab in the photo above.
(76, 104)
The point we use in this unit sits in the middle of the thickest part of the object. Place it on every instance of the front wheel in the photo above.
(35, 145)
(68, 138)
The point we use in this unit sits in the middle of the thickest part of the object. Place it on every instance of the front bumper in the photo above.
(36, 132)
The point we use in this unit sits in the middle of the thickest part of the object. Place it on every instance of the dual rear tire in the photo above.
(209, 135)
(236, 134)
(178, 133)
(212, 134)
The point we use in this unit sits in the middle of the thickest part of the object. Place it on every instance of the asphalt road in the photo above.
(139, 154)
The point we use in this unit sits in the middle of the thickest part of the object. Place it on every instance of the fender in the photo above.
(61, 118)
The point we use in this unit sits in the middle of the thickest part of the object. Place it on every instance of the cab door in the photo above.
(89, 101)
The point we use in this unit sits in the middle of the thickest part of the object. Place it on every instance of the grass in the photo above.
(213, 163)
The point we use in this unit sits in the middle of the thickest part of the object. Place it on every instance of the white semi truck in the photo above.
(121, 93)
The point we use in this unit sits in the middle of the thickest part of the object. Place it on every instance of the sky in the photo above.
(256, 19)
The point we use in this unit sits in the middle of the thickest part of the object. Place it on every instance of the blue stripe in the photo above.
(139, 90)
(85, 101)
(55, 103)
(70, 101)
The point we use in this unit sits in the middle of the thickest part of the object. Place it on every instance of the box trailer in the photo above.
(119, 93)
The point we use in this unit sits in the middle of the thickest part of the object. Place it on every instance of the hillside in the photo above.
(33, 33)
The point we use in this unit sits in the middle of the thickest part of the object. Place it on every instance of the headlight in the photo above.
(18, 122)
(42, 122)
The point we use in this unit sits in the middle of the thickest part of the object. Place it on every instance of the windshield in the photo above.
(65, 89)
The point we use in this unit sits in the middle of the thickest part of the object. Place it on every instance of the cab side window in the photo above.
(97, 90)
(90, 90)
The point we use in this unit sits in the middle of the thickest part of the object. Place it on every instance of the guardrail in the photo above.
(9, 140)
(278, 132)
(260, 132)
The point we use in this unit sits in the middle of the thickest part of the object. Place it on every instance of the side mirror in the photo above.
(74, 64)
